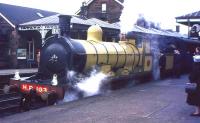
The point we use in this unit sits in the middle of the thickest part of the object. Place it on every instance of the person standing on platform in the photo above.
(177, 63)
(194, 77)
(162, 64)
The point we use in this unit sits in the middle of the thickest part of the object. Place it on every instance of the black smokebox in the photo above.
(64, 25)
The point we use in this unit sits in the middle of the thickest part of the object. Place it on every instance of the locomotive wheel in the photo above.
(52, 99)
(25, 102)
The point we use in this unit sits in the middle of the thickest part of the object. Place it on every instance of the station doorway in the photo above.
(30, 45)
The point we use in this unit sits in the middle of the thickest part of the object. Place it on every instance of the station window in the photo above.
(103, 7)
(30, 53)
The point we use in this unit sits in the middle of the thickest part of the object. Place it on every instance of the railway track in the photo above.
(9, 103)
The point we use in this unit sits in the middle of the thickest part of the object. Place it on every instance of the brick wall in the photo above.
(112, 14)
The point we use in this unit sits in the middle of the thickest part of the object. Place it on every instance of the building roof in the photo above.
(119, 2)
(54, 20)
(17, 14)
(157, 32)
(189, 19)
(154, 31)
(103, 23)
(137, 29)
(190, 15)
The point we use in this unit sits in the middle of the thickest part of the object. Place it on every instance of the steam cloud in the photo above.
(91, 85)
(135, 12)
(156, 55)
(84, 87)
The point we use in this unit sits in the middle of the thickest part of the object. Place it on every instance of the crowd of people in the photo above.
(193, 59)
(176, 63)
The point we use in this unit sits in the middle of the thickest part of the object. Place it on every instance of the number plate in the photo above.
(38, 88)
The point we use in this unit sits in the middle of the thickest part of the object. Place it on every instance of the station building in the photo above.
(10, 18)
(23, 32)
(106, 10)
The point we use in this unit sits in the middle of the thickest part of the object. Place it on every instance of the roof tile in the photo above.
(17, 14)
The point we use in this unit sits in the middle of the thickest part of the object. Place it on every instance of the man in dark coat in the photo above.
(162, 64)
(194, 98)
(177, 63)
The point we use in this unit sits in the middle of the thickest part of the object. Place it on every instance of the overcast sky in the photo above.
(160, 11)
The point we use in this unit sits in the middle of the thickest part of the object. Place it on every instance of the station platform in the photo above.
(161, 101)
(7, 72)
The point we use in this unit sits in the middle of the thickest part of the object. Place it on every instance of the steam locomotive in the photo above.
(61, 54)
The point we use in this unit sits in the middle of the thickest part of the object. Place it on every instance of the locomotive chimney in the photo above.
(64, 25)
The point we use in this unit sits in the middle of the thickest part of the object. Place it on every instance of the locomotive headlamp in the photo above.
(17, 77)
(54, 81)
(6, 89)
(196, 58)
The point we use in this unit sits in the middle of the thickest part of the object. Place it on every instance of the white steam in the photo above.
(156, 56)
(84, 86)
(155, 11)
(70, 96)
(91, 85)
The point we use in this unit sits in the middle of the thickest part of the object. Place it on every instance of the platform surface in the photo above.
(153, 102)
(21, 71)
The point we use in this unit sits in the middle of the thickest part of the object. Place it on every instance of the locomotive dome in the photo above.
(95, 33)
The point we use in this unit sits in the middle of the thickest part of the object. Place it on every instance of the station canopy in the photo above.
(52, 22)
(189, 19)
(152, 31)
